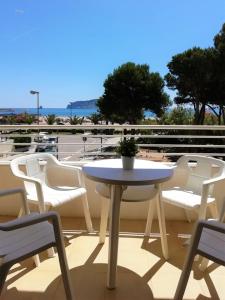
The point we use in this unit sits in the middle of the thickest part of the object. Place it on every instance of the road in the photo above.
(83, 147)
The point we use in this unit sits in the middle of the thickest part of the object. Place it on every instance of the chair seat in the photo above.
(45, 189)
(183, 198)
(18, 243)
(212, 245)
(57, 195)
(132, 193)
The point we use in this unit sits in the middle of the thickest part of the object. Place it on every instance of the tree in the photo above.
(50, 119)
(23, 118)
(95, 118)
(219, 74)
(29, 119)
(130, 90)
(219, 40)
(191, 74)
(177, 116)
(76, 120)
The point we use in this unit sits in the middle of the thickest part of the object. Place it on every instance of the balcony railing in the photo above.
(75, 142)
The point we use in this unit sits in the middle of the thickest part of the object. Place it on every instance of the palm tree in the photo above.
(76, 120)
(95, 118)
(50, 119)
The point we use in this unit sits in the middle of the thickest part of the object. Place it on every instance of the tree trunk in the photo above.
(202, 115)
(223, 113)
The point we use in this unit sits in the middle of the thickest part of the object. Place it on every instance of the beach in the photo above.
(60, 112)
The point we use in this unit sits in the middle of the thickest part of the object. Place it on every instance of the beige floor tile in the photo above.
(143, 274)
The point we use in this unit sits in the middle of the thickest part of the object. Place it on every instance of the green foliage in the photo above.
(28, 119)
(74, 120)
(149, 121)
(50, 119)
(198, 76)
(191, 74)
(95, 118)
(219, 75)
(210, 119)
(23, 118)
(177, 116)
(9, 120)
(130, 90)
(219, 40)
(127, 147)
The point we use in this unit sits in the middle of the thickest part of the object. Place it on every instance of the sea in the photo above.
(61, 112)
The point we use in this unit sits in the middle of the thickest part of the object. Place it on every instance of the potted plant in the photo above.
(127, 149)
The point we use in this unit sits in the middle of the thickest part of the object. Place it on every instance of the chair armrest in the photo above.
(205, 192)
(28, 220)
(38, 186)
(23, 197)
(213, 180)
(28, 178)
(67, 166)
(206, 185)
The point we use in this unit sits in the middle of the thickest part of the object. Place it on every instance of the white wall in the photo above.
(10, 205)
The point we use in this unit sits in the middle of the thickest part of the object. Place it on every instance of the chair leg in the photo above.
(187, 215)
(203, 265)
(36, 260)
(151, 211)
(162, 224)
(21, 213)
(50, 251)
(4, 272)
(104, 219)
(64, 265)
(65, 276)
(188, 262)
(213, 210)
(87, 213)
(184, 277)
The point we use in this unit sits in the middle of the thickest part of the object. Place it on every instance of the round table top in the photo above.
(110, 171)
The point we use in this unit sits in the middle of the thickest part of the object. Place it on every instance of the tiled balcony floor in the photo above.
(142, 272)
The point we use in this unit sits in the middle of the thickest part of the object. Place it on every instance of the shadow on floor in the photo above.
(89, 280)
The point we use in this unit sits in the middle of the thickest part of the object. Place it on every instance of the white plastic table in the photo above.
(110, 171)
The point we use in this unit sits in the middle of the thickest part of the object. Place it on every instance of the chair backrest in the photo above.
(32, 165)
(200, 168)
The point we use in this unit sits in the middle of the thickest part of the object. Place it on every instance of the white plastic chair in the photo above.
(198, 192)
(38, 188)
(27, 236)
(208, 240)
(131, 194)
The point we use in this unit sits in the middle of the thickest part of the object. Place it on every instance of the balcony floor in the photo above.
(142, 272)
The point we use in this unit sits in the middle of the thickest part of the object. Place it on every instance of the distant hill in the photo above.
(83, 104)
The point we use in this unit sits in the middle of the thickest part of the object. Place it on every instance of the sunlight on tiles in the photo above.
(142, 271)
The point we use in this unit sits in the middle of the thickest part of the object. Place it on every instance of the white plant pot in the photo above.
(127, 162)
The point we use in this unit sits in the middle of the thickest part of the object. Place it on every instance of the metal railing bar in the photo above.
(117, 127)
(115, 144)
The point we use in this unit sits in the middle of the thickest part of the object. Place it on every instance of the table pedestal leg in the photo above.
(162, 224)
(114, 219)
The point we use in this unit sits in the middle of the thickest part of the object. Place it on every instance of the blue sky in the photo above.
(66, 48)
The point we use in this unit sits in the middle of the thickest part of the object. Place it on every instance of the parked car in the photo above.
(53, 140)
(42, 137)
